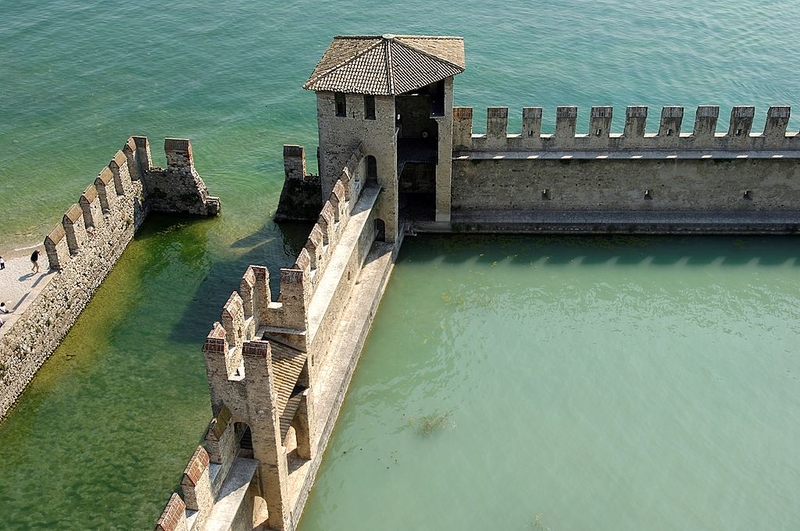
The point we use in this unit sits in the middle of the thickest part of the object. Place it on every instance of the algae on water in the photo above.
(428, 424)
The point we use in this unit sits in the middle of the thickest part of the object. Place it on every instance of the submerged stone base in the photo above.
(612, 222)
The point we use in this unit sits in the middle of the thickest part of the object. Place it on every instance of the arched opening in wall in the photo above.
(245, 439)
(372, 169)
(380, 230)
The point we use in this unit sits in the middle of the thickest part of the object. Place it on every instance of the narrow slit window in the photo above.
(341, 104)
(369, 107)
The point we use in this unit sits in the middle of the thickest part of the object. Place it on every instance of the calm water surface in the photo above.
(574, 383)
(102, 436)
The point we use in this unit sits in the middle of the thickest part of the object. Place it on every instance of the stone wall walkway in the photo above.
(18, 285)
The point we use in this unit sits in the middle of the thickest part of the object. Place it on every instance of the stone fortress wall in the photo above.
(86, 244)
(278, 369)
(393, 162)
(669, 181)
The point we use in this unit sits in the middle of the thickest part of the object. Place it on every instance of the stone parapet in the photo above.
(599, 138)
(81, 250)
(265, 360)
(178, 188)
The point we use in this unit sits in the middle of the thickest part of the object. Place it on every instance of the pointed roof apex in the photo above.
(386, 65)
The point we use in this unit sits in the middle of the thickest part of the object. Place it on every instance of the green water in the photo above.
(102, 436)
(106, 428)
(582, 383)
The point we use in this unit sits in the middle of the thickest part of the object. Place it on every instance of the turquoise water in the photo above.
(104, 433)
(574, 383)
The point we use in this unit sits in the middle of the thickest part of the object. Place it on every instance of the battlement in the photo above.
(178, 188)
(216, 486)
(738, 141)
(262, 359)
(86, 243)
(111, 204)
(301, 197)
(251, 313)
(124, 192)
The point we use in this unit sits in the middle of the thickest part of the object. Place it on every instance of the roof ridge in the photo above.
(389, 69)
(346, 61)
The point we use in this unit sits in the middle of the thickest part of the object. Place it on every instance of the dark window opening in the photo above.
(245, 439)
(436, 91)
(369, 107)
(341, 104)
(380, 230)
(372, 169)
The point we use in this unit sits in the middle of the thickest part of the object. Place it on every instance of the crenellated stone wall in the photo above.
(178, 188)
(301, 196)
(278, 369)
(84, 247)
(670, 136)
(671, 181)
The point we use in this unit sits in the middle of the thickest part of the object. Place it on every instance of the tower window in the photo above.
(341, 104)
(369, 107)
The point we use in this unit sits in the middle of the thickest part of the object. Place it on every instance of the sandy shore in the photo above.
(18, 284)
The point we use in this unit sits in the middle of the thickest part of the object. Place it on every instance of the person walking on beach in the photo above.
(3, 311)
(2, 263)
(35, 261)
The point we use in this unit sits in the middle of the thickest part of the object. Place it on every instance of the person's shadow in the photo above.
(40, 274)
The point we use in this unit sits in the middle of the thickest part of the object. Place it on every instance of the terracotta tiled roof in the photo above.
(386, 65)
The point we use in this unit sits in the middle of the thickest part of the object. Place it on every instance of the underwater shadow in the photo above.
(274, 245)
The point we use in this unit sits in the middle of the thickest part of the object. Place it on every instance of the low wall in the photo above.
(84, 247)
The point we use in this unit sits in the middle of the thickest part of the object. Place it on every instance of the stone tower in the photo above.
(393, 96)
